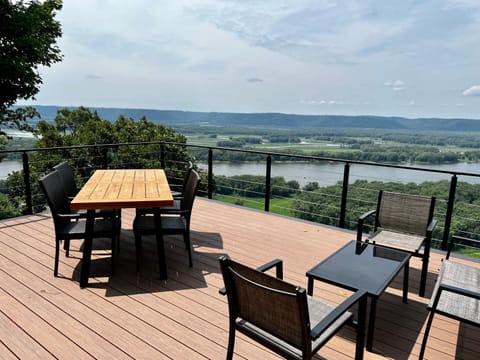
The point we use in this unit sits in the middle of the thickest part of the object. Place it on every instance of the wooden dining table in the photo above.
(117, 189)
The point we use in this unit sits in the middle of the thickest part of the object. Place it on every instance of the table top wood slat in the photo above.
(128, 188)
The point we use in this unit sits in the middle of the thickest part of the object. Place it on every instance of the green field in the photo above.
(277, 206)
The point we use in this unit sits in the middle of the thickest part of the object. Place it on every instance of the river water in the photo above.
(331, 173)
(324, 173)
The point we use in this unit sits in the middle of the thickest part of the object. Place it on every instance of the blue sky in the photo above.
(366, 57)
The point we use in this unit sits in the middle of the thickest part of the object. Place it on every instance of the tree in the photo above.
(72, 132)
(28, 39)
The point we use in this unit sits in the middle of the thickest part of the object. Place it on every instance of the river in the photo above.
(323, 173)
(330, 173)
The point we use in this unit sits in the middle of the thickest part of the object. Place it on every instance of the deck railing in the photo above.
(163, 155)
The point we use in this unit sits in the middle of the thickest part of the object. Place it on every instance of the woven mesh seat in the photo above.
(404, 222)
(456, 294)
(281, 316)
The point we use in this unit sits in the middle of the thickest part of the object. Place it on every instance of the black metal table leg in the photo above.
(310, 286)
(160, 245)
(87, 249)
(371, 323)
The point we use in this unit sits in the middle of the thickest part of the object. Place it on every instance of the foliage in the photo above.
(28, 35)
(74, 130)
(254, 186)
(230, 143)
(7, 210)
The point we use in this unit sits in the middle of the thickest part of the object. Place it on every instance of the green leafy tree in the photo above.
(28, 39)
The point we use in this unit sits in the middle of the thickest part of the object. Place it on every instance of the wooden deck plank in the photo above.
(20, 344)
(185, 317)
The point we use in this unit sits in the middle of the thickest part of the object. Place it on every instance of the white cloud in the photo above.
(396, 85)
(472, 91)
(322, 102)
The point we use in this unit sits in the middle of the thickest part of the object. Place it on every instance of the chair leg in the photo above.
(138, 250)
(66, 246)
(118, 230)
(57, 252)
(162, 263)
(114, 249)
(186, 237)
(423, 276)
(425, 336)
(231, 341)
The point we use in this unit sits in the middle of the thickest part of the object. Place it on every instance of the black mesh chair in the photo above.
(144, 224)
(178, 190)
(405, 222)
(456, 294)
(70, 187)
(281, 316)
(69, 225)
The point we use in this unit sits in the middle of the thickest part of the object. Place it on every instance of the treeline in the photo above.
(374, 153)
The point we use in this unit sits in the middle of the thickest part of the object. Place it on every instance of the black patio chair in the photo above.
(70, 225)
(179, 189)
(405, 222)
(71, 189)
(281, 316)
(456, 294)
(144, 224)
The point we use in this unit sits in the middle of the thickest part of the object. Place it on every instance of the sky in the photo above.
(408, 58)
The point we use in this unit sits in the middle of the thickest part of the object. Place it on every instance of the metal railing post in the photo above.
(26, 180)
(210, 174)
(268, 178)
(162, 156)
(343, 205)
(105, 157)
(448, 216)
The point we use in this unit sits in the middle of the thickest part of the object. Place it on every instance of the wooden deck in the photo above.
(130, 316)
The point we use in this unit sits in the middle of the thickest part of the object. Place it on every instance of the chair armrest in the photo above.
(361, 220)
(360, 295)
(431, 226)
(176, 187)
(277, 263)
(460, 291)
(70, 216)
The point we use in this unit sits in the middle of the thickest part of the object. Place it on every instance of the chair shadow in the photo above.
(468, 346)
(397, 327)
(126, 281)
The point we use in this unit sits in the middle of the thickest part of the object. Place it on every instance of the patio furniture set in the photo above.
(281, 316)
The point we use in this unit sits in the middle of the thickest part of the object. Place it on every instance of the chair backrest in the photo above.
(68, 179)
(188, 170)
(404, 212)
(271, 304)
(190, 191)
(56, 197)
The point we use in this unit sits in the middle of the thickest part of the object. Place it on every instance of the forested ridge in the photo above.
(292, 121)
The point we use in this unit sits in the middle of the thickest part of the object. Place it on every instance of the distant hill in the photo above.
(278, 120)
